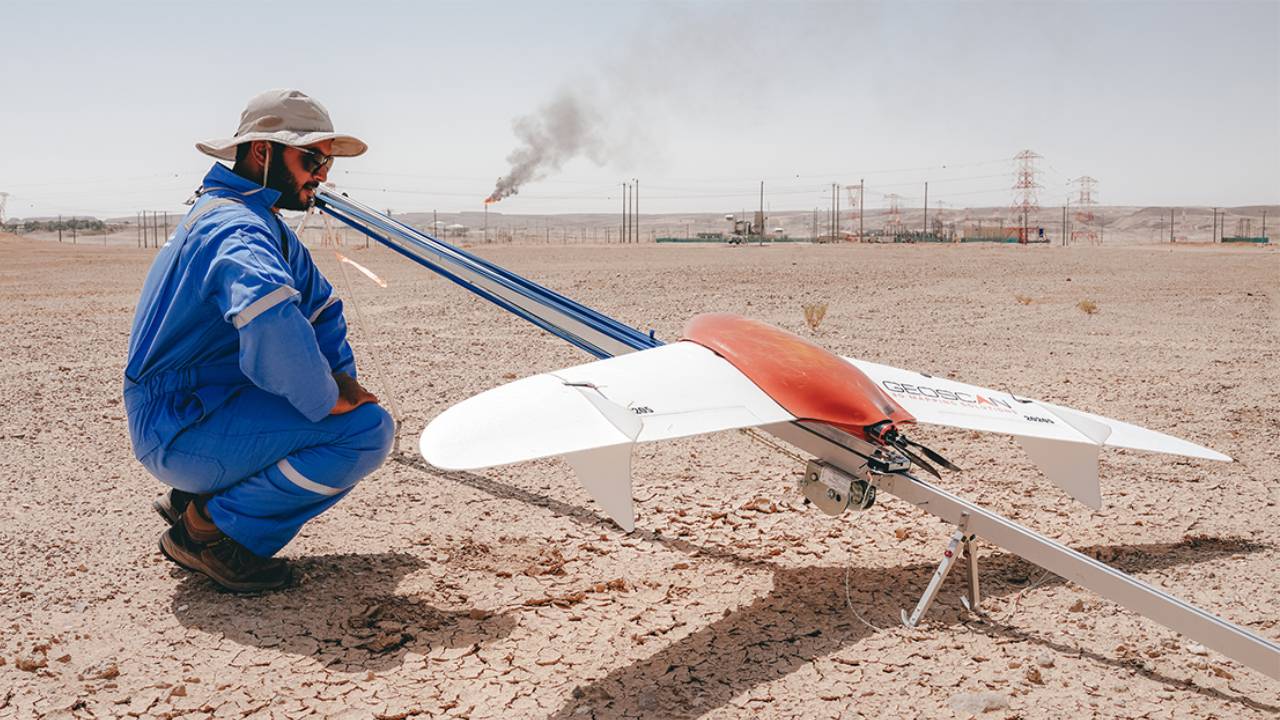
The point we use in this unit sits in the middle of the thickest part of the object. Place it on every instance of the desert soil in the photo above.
(504, 593)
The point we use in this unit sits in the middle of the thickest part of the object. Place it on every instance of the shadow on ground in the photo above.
(342, 610)
(805, 617)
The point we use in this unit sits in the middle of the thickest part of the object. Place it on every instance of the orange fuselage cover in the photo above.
(806, 380)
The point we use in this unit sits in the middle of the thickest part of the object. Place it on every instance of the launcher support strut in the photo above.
(961, 541)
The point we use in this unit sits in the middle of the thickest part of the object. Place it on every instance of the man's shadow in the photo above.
(341, 610)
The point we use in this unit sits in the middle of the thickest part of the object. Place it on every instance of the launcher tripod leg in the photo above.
(961, 539)
(974, 597)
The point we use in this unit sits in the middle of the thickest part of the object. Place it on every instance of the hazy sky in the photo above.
(1163, 103)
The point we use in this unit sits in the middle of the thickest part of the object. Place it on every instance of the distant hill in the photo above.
(1113, 224)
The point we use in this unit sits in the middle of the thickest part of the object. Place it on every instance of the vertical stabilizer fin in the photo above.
(1072, 466)
(606, 471)
(606, 474)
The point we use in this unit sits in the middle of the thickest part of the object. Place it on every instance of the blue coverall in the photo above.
(229, 385)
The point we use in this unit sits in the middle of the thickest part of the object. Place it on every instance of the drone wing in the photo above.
(593, 414)
(1063, 442)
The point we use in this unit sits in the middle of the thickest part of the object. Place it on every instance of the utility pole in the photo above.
(1064, 226)
(761, 228)
(835, 192)
(862, 193)
(835, 220)
(926, 207)
(1071, 226)
(59, 228)
(1264, 223)
(815, 224)
(636, 204)
(1170, 225)
(835, 211)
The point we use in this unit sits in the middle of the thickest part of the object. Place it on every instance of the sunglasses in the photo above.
(313, 161)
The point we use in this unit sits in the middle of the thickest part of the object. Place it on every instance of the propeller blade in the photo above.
(917, 459)
(934, 456)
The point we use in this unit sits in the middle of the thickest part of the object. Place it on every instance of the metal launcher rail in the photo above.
(845, 464)
(594, 332)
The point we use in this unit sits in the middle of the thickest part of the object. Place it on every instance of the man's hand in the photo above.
(350, 394)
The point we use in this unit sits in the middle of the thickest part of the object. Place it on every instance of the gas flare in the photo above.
(558, 132)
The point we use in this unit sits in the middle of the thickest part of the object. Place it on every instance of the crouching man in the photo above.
(240, 385)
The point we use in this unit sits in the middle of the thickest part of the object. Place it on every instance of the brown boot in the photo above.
(198, 545)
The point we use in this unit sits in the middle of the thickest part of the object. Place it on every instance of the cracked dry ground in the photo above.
(504, 594)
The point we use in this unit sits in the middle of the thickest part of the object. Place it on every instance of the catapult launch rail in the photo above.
(850, 457)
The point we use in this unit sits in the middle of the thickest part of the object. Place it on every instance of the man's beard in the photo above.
(280, 179)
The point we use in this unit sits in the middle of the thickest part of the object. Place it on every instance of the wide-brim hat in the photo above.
(289, 117)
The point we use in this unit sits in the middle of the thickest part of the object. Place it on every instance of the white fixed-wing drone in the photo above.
(731, 372)
(850, 416)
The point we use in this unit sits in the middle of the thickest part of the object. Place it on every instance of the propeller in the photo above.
(902, 447)
(887, 433)
(931, 454)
